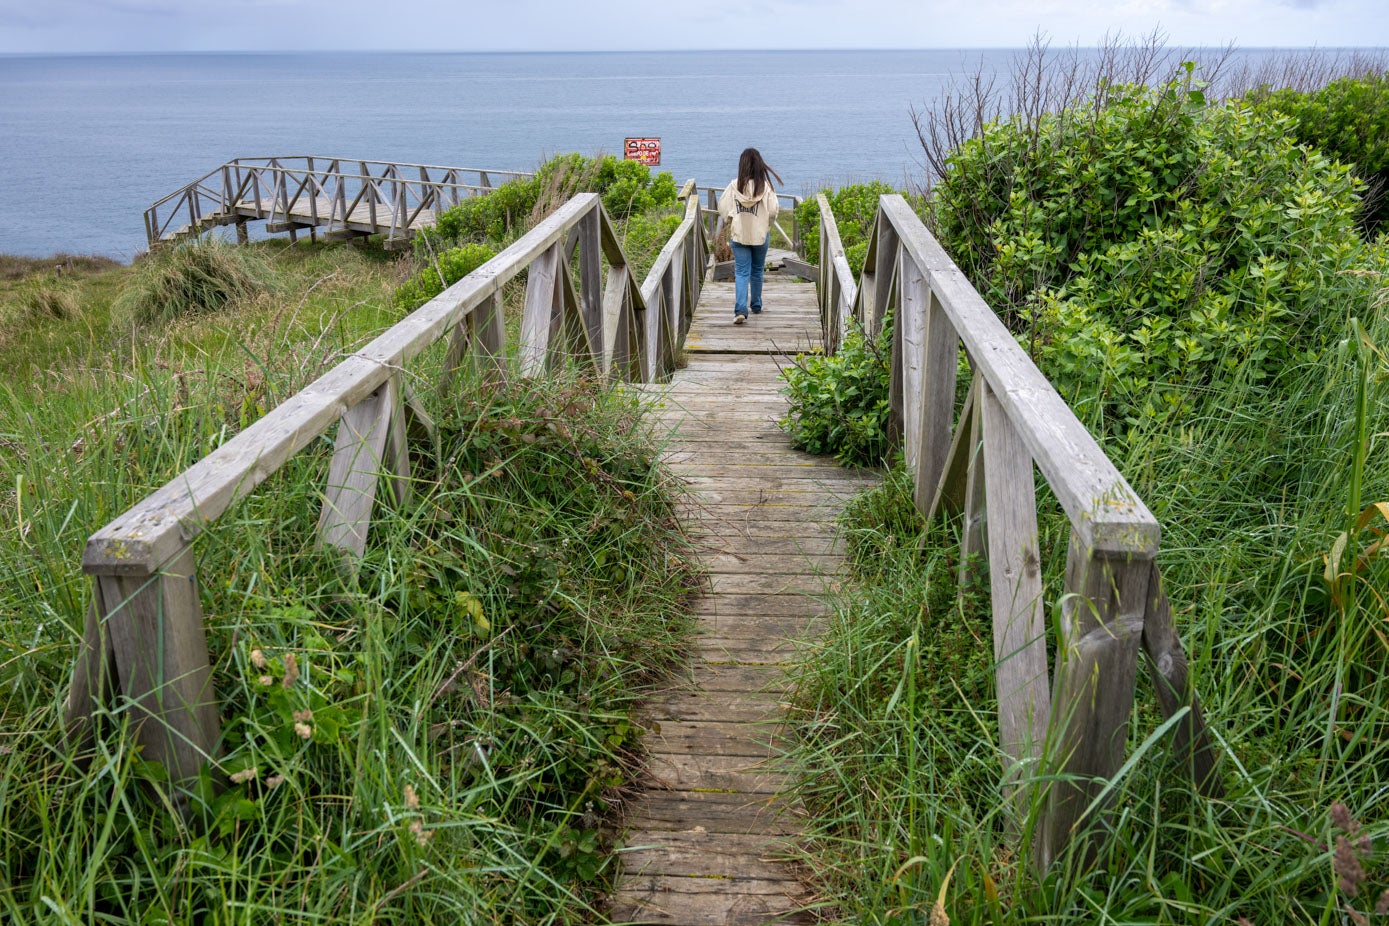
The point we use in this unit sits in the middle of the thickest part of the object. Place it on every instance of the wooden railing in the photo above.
(341, 195)
(144, 640)
(1067, 739)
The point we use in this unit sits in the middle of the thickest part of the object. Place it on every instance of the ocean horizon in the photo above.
(89, 140)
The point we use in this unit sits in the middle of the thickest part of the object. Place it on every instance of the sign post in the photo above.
(645, 150)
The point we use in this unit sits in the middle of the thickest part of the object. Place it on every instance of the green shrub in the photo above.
(1143, 249)
(1347, 120)
(452, 265)
(854, 207)
(627, 188)
(202, 276)
(839, 404)
(644, 234)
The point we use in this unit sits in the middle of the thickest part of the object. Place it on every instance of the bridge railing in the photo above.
(144, 641)
(317, 191)
(1067, 736)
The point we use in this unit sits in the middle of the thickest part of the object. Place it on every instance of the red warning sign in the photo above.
(646, 150)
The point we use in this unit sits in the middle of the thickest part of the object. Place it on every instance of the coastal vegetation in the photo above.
(1198, 281)
(446, 731)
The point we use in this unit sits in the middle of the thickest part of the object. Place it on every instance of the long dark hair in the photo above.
(752, 167)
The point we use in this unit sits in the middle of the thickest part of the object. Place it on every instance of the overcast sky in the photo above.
(597, 25)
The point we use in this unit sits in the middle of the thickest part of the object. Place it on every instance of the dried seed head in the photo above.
(303, 716)
(266, 680)
(258, 659)
(274, 781)
(291, 670)
(304, 730)
(421, 835)
(245, 775)
(1346, 864)
(412, 800)
(1341, 818)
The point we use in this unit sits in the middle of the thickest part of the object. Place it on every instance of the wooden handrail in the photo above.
(144, 633)
(1067, 739)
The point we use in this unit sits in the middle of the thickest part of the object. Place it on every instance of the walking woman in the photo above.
(749, 204)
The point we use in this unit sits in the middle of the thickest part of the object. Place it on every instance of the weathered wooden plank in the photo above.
(941, 363)
(543, 300)
(704, 705)
(356, 470)
(708, 855)
(950, 492)
(712, 738)
(732, 814)
(974, 534)
(155, 625)
(741, 774)
(1015, 585)
(1101, 624)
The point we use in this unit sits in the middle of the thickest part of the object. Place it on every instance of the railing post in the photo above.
(1097, 660)
(1015, 592)
(591, 282)
(149, 619)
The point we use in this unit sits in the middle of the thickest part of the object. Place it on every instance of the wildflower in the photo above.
(258, 659)
(266, 680)
(274, 781)
(303, 716)
(291, 670)
(304, 730)
(421, 836)
(245, 775)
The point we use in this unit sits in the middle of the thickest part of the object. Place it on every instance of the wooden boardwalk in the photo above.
(710, 839)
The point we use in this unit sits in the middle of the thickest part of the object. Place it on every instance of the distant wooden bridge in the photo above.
(336, 197)
(711, 838)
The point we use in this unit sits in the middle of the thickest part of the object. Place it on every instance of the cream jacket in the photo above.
(750, 216)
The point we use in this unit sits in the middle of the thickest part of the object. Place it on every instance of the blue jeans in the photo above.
(749, 260)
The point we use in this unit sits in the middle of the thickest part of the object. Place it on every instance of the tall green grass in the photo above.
(442, 738)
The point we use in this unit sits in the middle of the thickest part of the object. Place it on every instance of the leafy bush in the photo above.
(839, 404)
(1145, 248)
(1347, 120)
(627, 188)
(452, 265)
(643, 236)
(854, 207)
(201, 276)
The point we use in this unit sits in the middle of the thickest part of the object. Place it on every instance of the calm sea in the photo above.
(88, 142)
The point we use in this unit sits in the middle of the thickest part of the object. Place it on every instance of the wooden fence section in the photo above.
(1065, 738)
(344, 197)
(144, 641)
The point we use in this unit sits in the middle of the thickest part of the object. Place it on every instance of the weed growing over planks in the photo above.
(441, 737)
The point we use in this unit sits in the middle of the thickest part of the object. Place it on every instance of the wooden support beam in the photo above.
(950, 492)
(974, 537)
(1015, 587)
(541, 296)
(1097, 658)
(154, 623)
(355, 471)
(591, 283)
